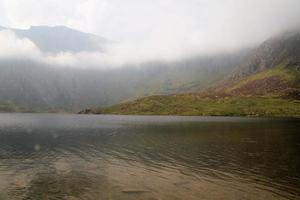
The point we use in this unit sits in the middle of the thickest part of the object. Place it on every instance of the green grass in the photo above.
(289, 75)
(274, 101)
(190, 104)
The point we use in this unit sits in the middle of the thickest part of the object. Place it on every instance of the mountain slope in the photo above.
(191, 104)
(42, 87)
(279, 81)
(272, 69)
(283, 49)
(267, 83)
(273, 92)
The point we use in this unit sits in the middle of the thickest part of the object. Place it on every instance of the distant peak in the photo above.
(49, 27)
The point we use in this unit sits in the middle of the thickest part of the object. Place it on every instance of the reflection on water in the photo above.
(50, 156)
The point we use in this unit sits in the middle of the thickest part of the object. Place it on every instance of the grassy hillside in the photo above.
(273, 92)
(41, 87)
(280, 81)
(192, 104)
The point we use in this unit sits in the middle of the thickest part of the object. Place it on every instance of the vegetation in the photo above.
(265, 93)
(193, 104)
(280, 76)
(7, 106)
(264, 81)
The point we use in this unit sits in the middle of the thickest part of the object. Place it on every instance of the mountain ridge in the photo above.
(56, 39)
(40, 87)
(266, 84)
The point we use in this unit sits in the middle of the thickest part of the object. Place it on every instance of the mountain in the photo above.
(266, 83)
(60, 39)
(283, 49)
(272, 69)
(38, 87)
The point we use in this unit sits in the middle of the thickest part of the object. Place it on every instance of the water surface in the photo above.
(55, 156)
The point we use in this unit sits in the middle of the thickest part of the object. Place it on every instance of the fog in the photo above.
(158, 30)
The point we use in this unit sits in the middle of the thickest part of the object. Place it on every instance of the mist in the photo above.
(168, 30)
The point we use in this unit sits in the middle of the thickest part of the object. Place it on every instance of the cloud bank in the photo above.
(148, 30)
(116, 55)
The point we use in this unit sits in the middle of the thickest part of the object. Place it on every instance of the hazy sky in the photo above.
(164, 29)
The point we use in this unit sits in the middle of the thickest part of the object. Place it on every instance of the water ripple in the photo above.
(114, 157)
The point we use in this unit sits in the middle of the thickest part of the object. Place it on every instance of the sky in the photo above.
(157, 29)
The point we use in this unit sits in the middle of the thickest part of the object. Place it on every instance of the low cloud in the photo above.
(13, 47)
(148, 30)
(116, 55)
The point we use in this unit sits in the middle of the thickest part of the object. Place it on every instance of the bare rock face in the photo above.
(283, 49)
(271, 69)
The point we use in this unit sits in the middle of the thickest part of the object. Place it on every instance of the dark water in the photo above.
(49, 156)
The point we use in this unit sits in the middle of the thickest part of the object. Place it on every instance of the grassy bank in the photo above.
(190, 104)
(7, 106)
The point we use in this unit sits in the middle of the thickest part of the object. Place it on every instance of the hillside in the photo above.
(191, 104)
(274, 92)
(280, 81)
(41, 87)
(272, 69)
(267, 83)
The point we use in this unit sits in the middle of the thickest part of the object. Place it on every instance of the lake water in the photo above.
(56, 156)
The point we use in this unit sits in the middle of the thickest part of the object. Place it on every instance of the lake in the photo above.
(61, 156)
